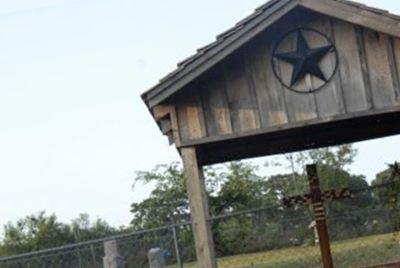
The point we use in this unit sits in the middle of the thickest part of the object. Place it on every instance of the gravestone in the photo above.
(112, 259)
(156, 258)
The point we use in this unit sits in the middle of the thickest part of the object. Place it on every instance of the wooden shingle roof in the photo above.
(264, 16)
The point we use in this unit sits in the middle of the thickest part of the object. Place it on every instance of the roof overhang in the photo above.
(266, 15)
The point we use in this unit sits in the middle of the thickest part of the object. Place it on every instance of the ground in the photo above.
(353, 253)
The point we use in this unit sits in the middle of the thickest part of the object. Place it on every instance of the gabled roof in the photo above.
(264, 16)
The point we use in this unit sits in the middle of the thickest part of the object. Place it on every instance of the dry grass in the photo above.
(350, 253)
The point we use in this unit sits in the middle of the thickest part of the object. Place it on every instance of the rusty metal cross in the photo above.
(316, 198)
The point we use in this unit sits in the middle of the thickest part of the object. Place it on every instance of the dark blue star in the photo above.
(305, 60)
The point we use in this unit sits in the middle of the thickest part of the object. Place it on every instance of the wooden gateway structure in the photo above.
(296, 74)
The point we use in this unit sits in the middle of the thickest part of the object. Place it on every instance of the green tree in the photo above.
(240, 188)
(40, 231)
(83, 229)
(167, 200)
(237, 186)
(35, 232)
(388, 198)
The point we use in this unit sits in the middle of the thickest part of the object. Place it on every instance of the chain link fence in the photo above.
(133, 248)
(252, 240)
(361, 235)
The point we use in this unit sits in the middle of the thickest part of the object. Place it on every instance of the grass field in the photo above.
(353, 253)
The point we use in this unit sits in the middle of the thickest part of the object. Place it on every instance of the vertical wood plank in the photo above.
(269, 92)
(351, 73)
(190, 115)
(199, 209)
(364, 65)
(241, 100)
(379, 69)
(175, 126)
(396, 55)
(329, 99)
(300, 106)
(215, 103)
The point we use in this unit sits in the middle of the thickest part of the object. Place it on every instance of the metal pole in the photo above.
(176, 244)
(93, 255)
(320, 218)
(78, 250)
(79, 258)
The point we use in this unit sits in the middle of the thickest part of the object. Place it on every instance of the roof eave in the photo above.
(166, 88)
(357, 14)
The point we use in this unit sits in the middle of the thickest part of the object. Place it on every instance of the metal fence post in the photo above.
(176, 245)
(112, 259)
(93, 255)
(156, 258)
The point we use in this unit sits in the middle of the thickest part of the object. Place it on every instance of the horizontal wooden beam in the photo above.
(304, 138)
(289, 127)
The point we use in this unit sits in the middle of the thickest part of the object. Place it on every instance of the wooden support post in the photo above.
(320, 217)
(199, 209)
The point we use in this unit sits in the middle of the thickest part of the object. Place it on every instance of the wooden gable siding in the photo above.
(241, 94)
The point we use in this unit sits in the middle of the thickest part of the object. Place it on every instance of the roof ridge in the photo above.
(222, 36)
(369, 8)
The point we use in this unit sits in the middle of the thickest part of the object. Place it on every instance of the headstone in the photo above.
(112, 259)
(156, 258)
(313, 226)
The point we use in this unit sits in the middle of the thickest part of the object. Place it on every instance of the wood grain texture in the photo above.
(215, 103)
(175, 126)
(393, 66)
(268, 90)
(353, 14)
(364, 66)
(329, 99)
(190, 115)
(379, 69)
(167, 120)
(396, 55)
(199, 210)
(351, 74)
(241, 99)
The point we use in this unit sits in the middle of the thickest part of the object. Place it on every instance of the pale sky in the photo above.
(73, 127)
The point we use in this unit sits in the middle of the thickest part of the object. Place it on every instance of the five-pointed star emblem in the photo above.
(305, 60)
